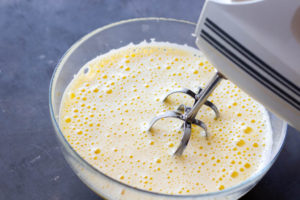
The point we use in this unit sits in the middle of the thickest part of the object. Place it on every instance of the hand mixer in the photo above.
(256, 45)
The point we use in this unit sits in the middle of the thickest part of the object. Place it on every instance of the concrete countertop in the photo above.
(34, 34)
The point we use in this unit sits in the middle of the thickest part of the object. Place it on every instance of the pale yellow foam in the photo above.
(104, 113)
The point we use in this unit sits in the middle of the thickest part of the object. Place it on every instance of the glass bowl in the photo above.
(114, 36)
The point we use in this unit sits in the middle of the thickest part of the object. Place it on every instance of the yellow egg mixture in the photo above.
(107, 106)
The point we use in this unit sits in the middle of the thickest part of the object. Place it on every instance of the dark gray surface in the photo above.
(34, 34)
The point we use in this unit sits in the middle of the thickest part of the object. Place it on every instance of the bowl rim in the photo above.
(57, 70)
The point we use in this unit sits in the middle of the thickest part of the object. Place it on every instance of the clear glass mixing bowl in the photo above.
(114, 36)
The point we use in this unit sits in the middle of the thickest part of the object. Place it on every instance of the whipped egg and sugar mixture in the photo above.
(107, 106)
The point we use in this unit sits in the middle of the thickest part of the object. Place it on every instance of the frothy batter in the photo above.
(109, 103)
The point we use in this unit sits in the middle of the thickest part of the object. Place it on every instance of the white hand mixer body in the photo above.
(256, 45)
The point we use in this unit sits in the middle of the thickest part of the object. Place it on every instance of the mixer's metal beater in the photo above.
(188, 114)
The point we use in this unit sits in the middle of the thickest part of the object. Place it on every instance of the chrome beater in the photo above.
(188, 114)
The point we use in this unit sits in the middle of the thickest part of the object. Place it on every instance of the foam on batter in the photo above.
(108, 104)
